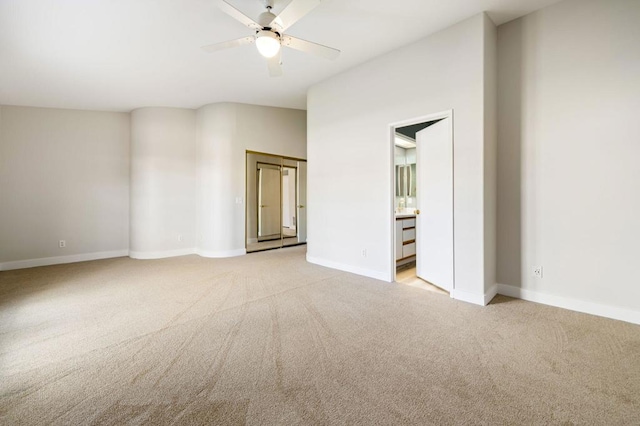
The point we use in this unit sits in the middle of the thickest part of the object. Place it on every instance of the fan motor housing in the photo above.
(266, 18)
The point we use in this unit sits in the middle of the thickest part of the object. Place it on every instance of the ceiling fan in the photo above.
(269, 33)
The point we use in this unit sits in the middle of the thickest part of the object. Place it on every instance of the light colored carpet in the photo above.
(270, 339)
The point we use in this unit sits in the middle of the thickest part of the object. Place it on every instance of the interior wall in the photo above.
(569, 195)
(163, 147)
(490, 96)
(64, 175)
(224, 133)
(216, 182)
(350, 114)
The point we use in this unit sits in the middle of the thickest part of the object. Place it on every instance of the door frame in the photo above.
(392, 196)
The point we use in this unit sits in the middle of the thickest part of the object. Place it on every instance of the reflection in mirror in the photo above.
(289, 210)
(268, 202)
(401, 181)
(412, 181)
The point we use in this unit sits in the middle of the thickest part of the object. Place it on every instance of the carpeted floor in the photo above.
(270, 339)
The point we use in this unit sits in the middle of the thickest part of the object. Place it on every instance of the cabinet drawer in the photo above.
(409, 250)
(409, 234)
(409, 223)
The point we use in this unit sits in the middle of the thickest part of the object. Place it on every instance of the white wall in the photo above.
(64, 175)
(490, 96)
(220, 220)
(163, 146)
(569, 180)
(350, 153)
(224, 133)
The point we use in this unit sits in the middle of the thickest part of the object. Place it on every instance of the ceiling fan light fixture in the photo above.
(268, 43)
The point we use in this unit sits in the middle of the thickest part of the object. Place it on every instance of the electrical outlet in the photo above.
(537, 271)
(364, 252)
(62, 243)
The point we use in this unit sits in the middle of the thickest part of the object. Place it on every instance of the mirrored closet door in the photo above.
(276, 198)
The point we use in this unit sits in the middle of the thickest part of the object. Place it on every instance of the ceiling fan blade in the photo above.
(275, 65)
(228, 44)
(292, 13)
(309, 47)
(239, 16)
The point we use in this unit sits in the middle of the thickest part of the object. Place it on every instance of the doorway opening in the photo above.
(422, 202)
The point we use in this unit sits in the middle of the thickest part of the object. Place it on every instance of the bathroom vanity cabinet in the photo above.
(405, 239)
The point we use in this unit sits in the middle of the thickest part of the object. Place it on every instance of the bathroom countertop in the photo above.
(405, 215)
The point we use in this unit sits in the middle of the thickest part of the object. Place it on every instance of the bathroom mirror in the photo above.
(405, 172)
(405, 180)
(401, 183)
(412, 181)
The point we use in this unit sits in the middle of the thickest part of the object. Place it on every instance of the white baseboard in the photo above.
(349, 268)
(475, 298)
(598, 309)
(490, 294)
(221, 253)
(57, 260)
(145, 255)
(141, 255)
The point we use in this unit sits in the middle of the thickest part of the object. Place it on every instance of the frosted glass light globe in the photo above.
(268, 43)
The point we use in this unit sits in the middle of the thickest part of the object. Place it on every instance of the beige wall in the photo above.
(67, 175)
(568, 174)
(64, 175)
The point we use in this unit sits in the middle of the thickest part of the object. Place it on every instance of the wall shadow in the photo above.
(509, 155)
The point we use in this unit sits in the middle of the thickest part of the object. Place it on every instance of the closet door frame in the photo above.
(277, 160)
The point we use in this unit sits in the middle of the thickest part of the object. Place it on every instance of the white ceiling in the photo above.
(124, 54)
